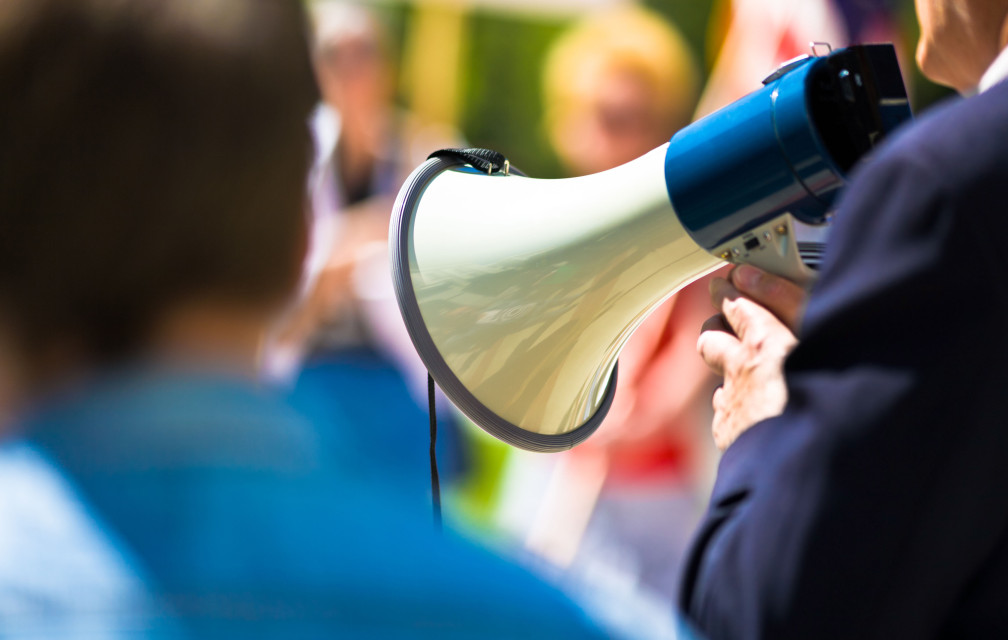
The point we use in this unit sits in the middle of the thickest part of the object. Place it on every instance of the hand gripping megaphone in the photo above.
(520, 293)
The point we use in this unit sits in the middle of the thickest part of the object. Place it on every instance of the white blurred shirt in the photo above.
(995, 73)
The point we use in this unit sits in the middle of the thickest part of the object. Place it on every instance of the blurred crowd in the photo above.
(215, 422)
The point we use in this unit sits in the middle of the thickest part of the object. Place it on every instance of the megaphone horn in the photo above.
(519, 293)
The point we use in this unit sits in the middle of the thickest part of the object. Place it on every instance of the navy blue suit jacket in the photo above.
(876, 506)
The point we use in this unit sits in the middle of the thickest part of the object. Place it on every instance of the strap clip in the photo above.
(481, 159)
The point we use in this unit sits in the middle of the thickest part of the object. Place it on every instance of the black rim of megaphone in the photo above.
(452, 387)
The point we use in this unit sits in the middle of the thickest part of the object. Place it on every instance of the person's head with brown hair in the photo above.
(616, 85)
(153, 156)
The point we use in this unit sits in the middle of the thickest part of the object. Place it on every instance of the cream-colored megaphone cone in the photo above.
(519, 293)
(529, 288)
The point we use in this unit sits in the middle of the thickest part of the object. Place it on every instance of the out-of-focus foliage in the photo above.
(502, 89)
(693, 17)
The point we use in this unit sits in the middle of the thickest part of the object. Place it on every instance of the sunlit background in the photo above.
(477, 64)
(562, 88)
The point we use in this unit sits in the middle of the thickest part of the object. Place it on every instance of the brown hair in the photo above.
(150, 151)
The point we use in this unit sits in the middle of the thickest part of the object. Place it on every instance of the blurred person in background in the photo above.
(760, 35)
(344, 349)
(620, 507)
(153, 162)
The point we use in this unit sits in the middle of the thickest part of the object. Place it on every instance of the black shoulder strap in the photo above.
(485, 160)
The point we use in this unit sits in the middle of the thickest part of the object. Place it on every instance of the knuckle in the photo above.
(748, 368)
(736, 315)
(704, 349)
(734, 367)
(717, 400)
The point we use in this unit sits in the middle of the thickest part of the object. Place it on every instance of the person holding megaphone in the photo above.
(859, 495)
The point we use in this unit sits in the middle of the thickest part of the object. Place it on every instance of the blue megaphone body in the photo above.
(784, 149)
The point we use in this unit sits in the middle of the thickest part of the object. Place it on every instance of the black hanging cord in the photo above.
(434, 481)
(491, 162)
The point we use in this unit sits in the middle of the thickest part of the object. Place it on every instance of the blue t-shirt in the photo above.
(62, 573)
(242, 528)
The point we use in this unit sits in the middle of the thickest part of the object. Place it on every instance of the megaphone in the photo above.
(519, 293)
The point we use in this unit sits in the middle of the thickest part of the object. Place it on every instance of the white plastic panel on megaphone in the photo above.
(528, 289)
(775, 246)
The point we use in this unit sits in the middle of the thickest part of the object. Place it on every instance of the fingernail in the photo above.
(747, 277)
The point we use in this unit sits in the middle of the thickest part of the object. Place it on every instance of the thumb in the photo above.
(783, 298)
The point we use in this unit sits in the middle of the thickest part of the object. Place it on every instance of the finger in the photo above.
(783, 298)
(716, 323)
(717, 400)
(748, 319)
(721, 290)
(717, 348)
(753, 323)
(721, 418)
(713, 287)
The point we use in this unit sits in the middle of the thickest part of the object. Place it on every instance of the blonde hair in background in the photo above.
(627, 39)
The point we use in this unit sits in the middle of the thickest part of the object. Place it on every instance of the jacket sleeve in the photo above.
(864, 509)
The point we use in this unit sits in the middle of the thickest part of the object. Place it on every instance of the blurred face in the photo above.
(616, 122)
(354, 75)
(959, 39)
